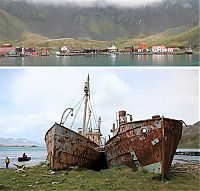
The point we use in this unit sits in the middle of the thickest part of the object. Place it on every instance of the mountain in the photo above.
(191, 136)
(17, 142)
(191, 130)
(98, 22)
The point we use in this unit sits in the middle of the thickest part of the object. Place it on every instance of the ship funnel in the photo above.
(122, 117)
(122, 113)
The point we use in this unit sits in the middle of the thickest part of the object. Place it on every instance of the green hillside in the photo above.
(31, 40)
(189, 142)
(174, 37)
(10, 26)
(168, 23)
(187, 38)
(191, 136)
(38, 41)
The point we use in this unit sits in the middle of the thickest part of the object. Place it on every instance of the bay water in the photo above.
(103, 60)
(186, 158)
(39, 154)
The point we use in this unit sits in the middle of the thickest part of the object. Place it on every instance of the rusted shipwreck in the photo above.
(67, 148)
(149, 144)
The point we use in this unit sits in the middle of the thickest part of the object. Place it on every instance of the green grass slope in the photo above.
(10, 26)
(30, 39)
(174, 37)
(190, 142)
(120, 178)
(185, 39)
(191, 136)
(35, 40)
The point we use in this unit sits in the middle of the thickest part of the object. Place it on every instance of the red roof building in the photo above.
(143, 46)
(6, 50)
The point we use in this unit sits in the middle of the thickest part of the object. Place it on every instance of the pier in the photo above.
(190, 153)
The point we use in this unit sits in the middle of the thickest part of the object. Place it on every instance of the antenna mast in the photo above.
(99, 125)
(87, 94)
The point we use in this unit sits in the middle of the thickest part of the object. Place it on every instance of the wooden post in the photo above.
(163, 149)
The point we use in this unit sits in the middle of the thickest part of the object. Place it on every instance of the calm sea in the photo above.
(39, 154)
(104, 60)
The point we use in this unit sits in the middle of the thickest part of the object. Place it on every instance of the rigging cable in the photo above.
(93, 104)
(72, 102)
(92, 110)
(77, 112)
(73, 109)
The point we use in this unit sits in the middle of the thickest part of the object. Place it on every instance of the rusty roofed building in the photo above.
(143, 47)
(6, 48)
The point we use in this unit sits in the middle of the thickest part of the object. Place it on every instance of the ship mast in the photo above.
(87, 94)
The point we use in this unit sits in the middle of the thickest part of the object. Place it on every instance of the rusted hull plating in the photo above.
(67, 148)
(150, 144)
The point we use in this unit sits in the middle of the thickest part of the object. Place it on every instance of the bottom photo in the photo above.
(99, 128)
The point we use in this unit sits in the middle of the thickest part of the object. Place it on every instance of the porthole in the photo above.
(144, 130)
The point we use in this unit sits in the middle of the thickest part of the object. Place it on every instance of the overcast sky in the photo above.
(32, 100)
(124, 3)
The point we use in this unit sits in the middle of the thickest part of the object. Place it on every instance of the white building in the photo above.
(112, 48)
(143, 50)
(65, 49)
(161, 49)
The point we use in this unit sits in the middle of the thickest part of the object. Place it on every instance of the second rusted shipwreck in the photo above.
(67, 148)
(149, 144)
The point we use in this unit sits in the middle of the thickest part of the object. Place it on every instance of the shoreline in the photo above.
(104, 54)
(22, 146)
(176, 167)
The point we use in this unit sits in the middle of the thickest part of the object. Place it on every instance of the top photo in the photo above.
(99, 33)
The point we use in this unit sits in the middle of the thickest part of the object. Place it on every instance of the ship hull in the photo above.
(149, 144)
(67, 148)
